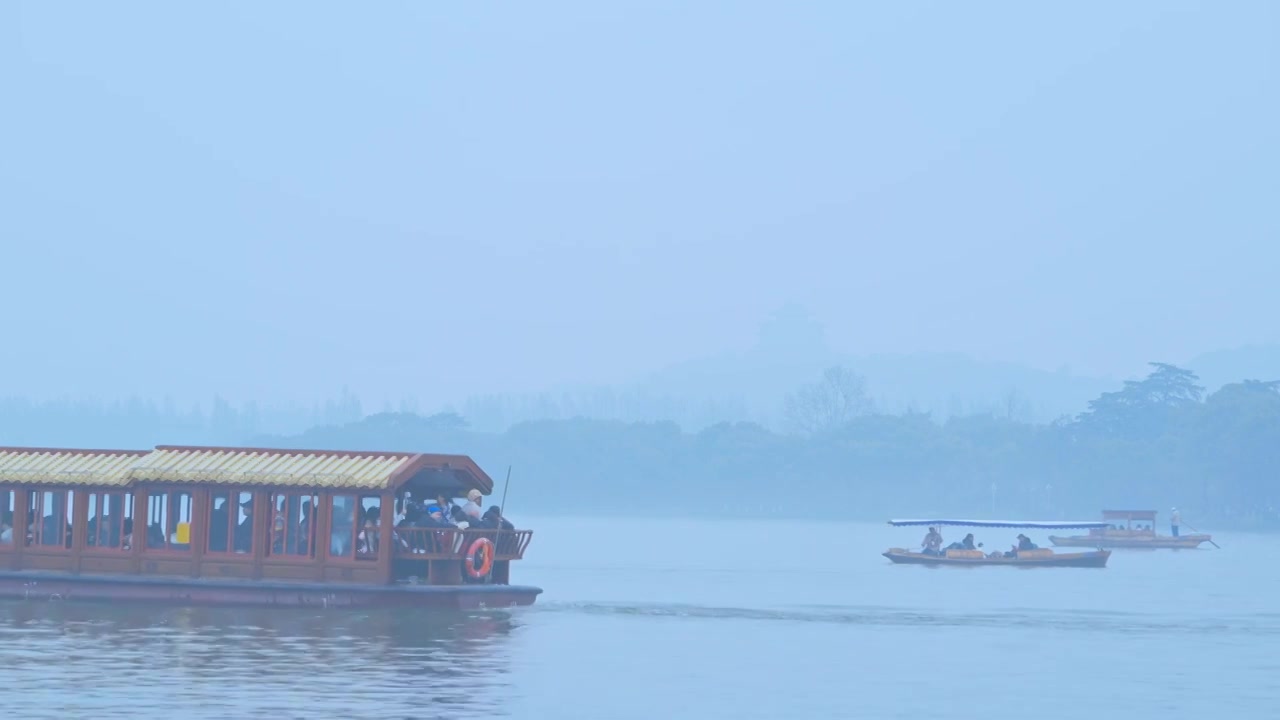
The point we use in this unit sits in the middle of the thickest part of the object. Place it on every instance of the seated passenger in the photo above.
(91, 534)
(966, 544)
(451, 512)
(439, 541)
(367, 541)
(242, 538)
(506, 543)
(341, 533)
(412, 518)
(219, 518)
(1024, 543)
(932, 543)
(154, 536)
(435, 518)
(49, 531)
(304, 529)
(472, 509)
(414, 512)
(107, 532)
(493, 519)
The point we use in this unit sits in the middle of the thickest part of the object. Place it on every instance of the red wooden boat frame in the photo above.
(171, 498)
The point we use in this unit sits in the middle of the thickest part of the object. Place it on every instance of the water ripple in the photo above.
(149, 662)
(1074, 620)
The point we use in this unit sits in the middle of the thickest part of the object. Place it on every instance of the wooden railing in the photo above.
(446, 544)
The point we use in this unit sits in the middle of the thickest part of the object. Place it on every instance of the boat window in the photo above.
(231, 522)
(292, 529)
(342, 526)
(7, 507)
(49, 519)
(168, 525)
(353, 532)
(110, 521)
(368, 522)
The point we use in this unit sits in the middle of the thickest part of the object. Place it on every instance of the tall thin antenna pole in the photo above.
(502, 516)
(502, 507)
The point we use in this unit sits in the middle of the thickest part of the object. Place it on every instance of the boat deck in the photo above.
(1095, 559)
(1135, 541)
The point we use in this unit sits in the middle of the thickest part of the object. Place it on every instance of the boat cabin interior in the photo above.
(248, 513)
(1127, 522)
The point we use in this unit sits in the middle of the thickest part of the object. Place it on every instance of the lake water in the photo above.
(695, 619)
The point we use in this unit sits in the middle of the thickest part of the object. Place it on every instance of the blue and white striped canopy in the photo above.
(1022, 524)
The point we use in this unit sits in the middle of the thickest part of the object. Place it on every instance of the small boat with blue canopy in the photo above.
(1024, 553)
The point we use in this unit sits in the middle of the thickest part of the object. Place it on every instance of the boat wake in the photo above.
(870, 615)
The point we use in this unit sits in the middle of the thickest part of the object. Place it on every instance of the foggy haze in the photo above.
(708, 290)
(273, 202)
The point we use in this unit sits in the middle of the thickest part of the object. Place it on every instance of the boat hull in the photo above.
(1095, 559)
(1149, 542)
(47, 586)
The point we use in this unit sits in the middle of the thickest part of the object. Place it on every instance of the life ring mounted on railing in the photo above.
(481, 548)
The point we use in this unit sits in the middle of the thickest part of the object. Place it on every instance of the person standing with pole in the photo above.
(1175, 519)
(502, 519)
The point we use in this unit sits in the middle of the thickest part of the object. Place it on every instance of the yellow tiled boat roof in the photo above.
(233, 466)
(260, 466)
(62, 466)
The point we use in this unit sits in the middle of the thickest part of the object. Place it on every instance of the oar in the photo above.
(1211, 542)
(502, 515)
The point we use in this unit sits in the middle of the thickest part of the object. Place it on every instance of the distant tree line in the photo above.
(137, 423)
(1153, 444)
(141, 422)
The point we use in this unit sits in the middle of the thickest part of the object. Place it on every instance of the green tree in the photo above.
(1144, 408)
(832, 402)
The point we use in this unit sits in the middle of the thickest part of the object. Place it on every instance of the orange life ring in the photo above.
(473, 551)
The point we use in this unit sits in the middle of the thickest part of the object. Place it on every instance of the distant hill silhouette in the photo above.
(1252, 362)
(792, 350)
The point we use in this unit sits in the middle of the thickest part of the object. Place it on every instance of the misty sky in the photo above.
(273, 200)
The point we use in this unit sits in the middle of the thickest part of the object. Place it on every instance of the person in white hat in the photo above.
(472, 509)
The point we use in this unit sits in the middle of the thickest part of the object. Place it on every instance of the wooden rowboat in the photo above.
(1041, 557)
(1038, 557)
(1119, 531)
(1121, 539)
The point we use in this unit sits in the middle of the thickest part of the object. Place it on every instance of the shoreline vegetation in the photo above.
(1152, 444)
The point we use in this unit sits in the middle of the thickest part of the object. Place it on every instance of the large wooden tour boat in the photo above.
(1028, 558)
(249, 526)
(1119, 531)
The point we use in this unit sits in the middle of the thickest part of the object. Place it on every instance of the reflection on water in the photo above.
(1115, 623)
(154, 660)
(642, 627)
